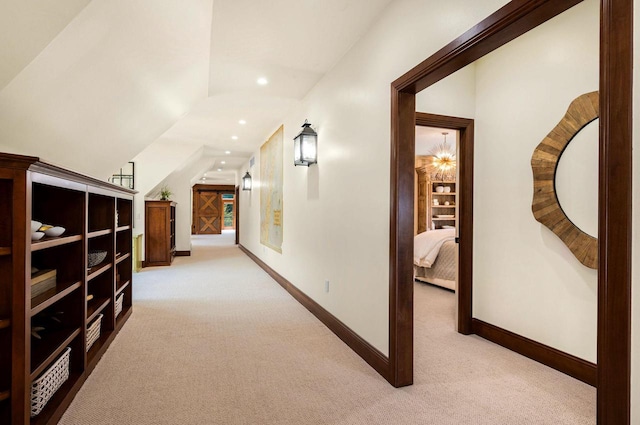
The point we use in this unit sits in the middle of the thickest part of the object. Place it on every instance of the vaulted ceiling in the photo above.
(90, 84)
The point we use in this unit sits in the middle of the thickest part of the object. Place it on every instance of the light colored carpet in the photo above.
(214, 340)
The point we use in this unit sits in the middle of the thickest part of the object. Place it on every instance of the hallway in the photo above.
(214, 340)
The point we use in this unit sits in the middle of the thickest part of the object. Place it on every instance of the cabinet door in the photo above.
(157, 248)
(209, 213)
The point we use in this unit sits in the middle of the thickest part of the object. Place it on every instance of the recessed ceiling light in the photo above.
(234, 137)
(262, 81)
(243, 122)
(219, 169)
(223, 162)
(227, 152)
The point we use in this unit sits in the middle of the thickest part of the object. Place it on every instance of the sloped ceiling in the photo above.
(109, 84)
(27, 27)
(123, 75)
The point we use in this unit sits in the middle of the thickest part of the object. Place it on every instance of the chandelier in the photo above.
(443, 164)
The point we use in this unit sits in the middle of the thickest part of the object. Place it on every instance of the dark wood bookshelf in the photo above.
(98, 270)
(122, 287)
(46, 350)
(51, 242)
(96, 215)
(122, 257)
(95, 306)
(48, 298)
(97, 233)
(6, 323)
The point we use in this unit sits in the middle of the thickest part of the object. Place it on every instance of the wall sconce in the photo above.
(246, 181)
(305, 146)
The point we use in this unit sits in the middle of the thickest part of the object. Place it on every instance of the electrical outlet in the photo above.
(326, 285)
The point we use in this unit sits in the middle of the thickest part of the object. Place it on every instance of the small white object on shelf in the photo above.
(36, 236)
(440, 189)
(54, 231)
(119, 300)
(93, 331)
(35, 225)
(447, 189)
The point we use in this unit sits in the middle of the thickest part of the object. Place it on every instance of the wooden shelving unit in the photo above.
(434, 210)
(94, 214)
(160, 233)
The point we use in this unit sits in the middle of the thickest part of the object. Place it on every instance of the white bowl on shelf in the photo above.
(447, 189)
(36, 236)
(54, 231)
(439, 189)
(35, 225)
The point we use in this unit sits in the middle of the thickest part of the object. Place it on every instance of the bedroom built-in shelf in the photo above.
(96, 215)
(434, 222)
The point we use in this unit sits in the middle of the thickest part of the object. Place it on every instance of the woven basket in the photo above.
(93, 331)
(44, 387)
(119, 304)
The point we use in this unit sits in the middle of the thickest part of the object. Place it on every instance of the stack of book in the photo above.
(42, 281)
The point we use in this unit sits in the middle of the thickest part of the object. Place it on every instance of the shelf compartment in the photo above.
(51, 242)
(99, 233)
(52, 296)
(5, 395)
(45, 351)
(95, 307)
(98, 270)
(5, 250)
(123, 257)
(123, 228)
(61, 397)
(122, 287)
(98, 348)
(6, 323)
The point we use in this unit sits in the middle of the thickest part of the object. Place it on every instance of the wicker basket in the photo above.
(93, 331)
(119, 300)
(45, 386)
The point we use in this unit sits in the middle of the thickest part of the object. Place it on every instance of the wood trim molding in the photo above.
(465, 210)
(614, 235)
(222, 188)
(615, 212)
(566, 363)
(369, 353)
(183, 254)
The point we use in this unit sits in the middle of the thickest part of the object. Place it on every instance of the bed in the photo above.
(435, 258)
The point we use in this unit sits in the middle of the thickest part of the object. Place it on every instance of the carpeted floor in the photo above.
(214, 340)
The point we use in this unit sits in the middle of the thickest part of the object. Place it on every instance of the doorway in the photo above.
(614, 256)
(208, 209)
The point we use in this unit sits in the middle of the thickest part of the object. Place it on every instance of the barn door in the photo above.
(208, 213)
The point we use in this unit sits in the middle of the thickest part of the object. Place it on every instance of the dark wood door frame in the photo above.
(237, 212)
(465, 210)
(615, 190)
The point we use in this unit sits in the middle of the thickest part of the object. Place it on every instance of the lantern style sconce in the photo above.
(305, 146)
(246, 181)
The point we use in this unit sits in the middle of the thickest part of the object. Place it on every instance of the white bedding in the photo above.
(426, 245)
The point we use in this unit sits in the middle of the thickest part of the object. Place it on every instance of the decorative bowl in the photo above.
(447, 189)
(439, 189)
(54, 231)
(36, 236)
(35, 225)
(95, 257)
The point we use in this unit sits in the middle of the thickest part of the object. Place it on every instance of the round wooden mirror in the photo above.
(544, 162)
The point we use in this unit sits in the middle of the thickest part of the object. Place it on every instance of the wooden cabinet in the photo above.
(441, 207)
(160, 233)
(87, 208)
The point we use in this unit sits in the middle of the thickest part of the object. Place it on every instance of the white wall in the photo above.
(336, 214)
(525, 279)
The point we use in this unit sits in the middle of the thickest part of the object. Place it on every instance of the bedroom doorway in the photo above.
(444, 206)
